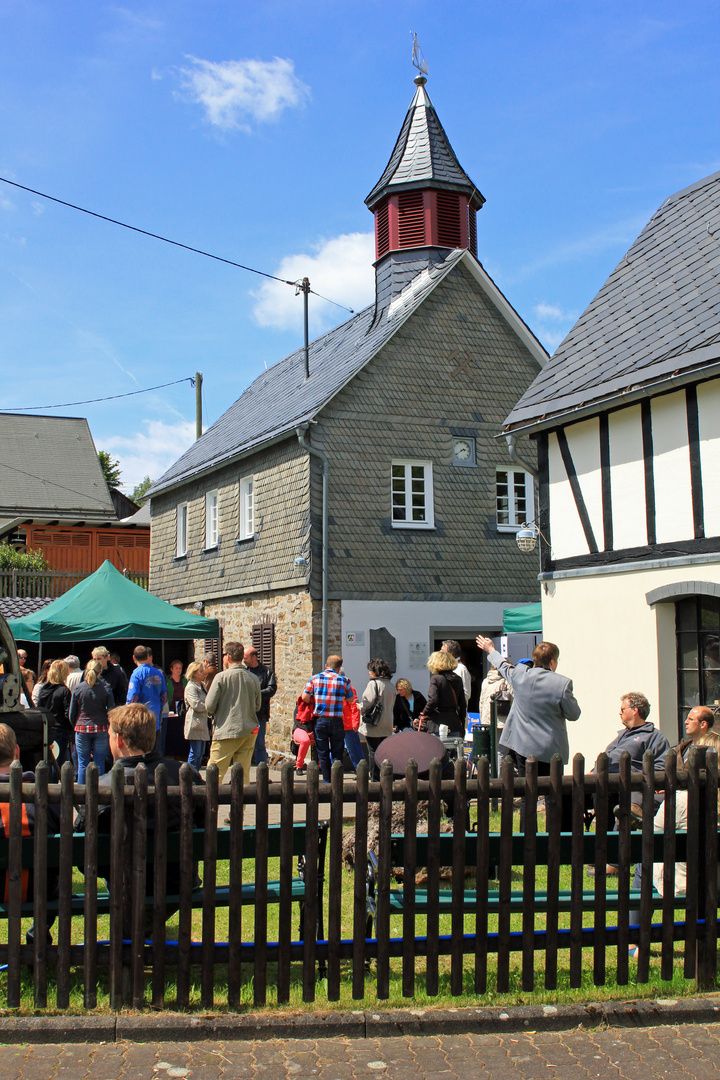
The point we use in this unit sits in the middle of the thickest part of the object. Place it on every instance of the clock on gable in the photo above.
(463, 451)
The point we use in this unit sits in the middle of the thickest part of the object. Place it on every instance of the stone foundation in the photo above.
(298, 641)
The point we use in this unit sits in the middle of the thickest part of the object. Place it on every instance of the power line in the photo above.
(165, 240)
(94, 401)
(43, 479)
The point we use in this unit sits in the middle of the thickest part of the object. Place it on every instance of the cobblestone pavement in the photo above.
(635, 1054)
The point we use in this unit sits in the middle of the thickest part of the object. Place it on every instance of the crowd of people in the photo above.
(101, 715)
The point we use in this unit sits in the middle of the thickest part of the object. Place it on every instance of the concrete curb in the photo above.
(175, 1027)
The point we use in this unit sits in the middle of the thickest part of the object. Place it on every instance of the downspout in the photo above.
(301, 432)
(511, 441)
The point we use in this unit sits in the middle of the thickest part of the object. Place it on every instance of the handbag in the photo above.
(374, 714)
(503, 700)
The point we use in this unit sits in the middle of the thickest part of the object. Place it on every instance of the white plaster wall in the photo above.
(611, 641)
(708, 395)
(671, 466)
(627, 478)
(584, 443)
(411, 621)
(566, 532)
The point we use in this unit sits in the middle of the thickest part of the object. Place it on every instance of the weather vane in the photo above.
(418, 59)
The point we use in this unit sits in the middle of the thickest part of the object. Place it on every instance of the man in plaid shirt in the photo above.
(327, 691)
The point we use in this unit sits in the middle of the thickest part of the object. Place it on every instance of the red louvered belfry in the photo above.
(424, 199)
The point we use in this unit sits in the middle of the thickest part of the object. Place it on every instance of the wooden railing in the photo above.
(541, 923)
(41, 584)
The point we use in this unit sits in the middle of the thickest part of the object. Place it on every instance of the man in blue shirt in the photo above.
(147, 685)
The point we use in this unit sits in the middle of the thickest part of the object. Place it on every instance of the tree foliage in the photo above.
(111, 469)
(10, 559)
(138, 494)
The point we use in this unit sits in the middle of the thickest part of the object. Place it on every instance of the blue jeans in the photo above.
(329, 743)
(91, 747)
(161, 735)
(354, 748)
(260, 753)
(197, 749)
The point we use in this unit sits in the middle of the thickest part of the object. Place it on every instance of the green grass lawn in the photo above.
(655, 987)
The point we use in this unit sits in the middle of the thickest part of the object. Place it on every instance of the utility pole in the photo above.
(304, 288)
(198, 404)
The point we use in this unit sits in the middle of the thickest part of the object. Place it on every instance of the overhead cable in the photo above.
(94, 401)
(165, 239)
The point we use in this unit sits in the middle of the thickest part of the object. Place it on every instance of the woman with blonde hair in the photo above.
(446, 698)
(197, 729)
(89, 705)
(55, 697)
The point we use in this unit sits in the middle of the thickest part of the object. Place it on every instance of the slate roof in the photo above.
(19, 607)
(281, 398)
(49, 468)
(657, 314)
(423, 153)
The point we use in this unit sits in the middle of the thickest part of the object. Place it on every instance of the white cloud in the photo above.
(560, 321)
(551, 338)
(150, 452)
(553, 313)
(5, 203)
(340, 269)
(235, 91)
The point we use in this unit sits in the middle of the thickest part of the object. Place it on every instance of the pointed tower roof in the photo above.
(423, 156)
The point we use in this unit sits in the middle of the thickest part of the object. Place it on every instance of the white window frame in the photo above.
(212, 514)
(516, 517)
(247, 508)
(409, 465)
(181, 530)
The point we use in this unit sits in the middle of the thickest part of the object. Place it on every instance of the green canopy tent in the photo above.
(108, 605)
(523, 620)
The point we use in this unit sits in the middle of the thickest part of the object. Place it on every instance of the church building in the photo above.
(356, 500)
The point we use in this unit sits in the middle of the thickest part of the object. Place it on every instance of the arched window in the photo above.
(697, 630)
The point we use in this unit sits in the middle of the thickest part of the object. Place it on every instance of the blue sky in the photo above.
(255, 131)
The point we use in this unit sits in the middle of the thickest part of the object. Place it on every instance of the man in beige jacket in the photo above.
(233, 702)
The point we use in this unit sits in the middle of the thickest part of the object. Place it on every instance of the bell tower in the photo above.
(425, 204)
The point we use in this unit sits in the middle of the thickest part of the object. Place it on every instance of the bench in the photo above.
(516, 900)
(246, 895)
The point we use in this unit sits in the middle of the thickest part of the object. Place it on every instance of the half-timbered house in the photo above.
(626, 418)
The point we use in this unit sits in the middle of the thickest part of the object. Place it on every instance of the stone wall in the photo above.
(298, 621)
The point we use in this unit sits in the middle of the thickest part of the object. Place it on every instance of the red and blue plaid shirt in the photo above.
(330, 690)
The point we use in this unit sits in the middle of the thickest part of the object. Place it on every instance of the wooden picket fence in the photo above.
(463, 937)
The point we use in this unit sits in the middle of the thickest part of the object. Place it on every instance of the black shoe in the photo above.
(30, 937)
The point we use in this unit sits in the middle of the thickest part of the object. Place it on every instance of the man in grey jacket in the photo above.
(233, 701)
(543, 701)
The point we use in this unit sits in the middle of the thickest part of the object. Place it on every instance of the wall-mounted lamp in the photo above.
(301, 561)
(198, 605)
(526, 536)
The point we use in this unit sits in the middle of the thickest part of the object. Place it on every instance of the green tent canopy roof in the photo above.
(108, 605)
(523, 620)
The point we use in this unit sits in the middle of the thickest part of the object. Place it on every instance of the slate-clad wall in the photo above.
(253, 566)
(407, 403)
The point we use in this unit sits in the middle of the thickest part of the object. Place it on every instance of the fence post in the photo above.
(707, 973)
